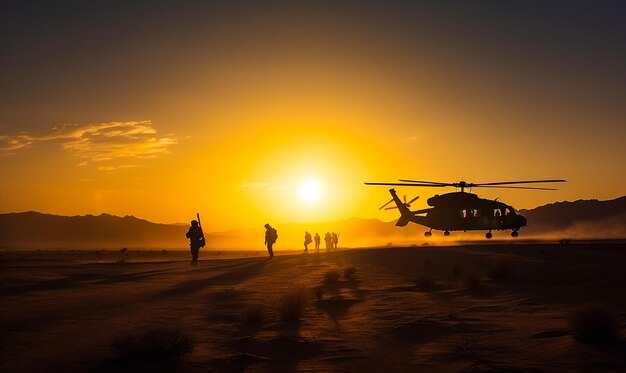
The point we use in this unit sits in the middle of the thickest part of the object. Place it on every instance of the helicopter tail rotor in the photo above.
(381, 207)
(405, 203)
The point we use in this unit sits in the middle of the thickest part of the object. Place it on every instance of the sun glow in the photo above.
(310, 191)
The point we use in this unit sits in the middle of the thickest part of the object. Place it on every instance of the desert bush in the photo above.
(594, 323)
(253, 314)
(502, 268)
(319, 294)
(348, 273)
(473, 280)
(163, 343)
(331, 277)
(292, 304)
(424, 282)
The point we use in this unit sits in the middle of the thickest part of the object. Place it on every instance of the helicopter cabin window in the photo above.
(468, 213)
(497, 213)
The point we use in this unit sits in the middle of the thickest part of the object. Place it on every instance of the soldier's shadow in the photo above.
(233, 277)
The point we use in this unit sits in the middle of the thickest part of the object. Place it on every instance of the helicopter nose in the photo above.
(521, 220)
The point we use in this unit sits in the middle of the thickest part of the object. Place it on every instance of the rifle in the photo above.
(203, 242)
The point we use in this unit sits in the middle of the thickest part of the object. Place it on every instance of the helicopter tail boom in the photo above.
(405, 213)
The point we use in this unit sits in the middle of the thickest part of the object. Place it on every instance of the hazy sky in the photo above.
(160, 109)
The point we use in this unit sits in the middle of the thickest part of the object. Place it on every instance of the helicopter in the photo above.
(460, 210)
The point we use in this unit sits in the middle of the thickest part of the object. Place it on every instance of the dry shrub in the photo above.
(253, 314)
(594, 323)
(473, 280)
(331, 277)
(424, 283)
(319, 294)
(162, 343)
(502, 268)
(348, 273)
(292, 304)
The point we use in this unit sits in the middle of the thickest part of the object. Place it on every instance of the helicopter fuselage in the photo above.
(461, 211)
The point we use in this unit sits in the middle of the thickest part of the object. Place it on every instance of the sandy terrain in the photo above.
(62, 313)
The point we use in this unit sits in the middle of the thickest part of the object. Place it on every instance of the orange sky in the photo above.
(176, 111)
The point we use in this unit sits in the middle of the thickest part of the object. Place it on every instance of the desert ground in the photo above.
(497, 307)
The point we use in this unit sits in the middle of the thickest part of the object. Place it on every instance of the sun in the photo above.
(310, 191)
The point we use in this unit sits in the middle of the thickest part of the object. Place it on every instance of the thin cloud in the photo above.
(96, 142)
(113, 168)
(8, 144)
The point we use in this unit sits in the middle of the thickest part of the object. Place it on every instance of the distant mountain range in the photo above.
(583, 218)
(34, 229)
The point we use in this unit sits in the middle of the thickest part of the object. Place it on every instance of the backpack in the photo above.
(274, 234)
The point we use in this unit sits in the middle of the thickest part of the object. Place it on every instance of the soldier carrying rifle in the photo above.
(196, 239)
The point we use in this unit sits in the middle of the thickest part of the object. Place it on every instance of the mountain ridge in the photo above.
(33, 229)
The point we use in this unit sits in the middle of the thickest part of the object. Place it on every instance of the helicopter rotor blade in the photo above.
(381, 207)
(424, 182)
(404, 198)
(520, 182)
(512, 187)
(391, 208)
(413, 200)
(407, 184)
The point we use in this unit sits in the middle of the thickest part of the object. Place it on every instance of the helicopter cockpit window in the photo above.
(507, 211)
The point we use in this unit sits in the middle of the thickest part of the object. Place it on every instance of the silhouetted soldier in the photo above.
(328, 241)
(307, 240)
(335, 240)
(196, 240)
(270, 238)
(317, 241)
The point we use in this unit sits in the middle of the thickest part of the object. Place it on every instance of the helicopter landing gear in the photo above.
(446, 233)
(428, 234)
(489, 235)
(514, 234)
